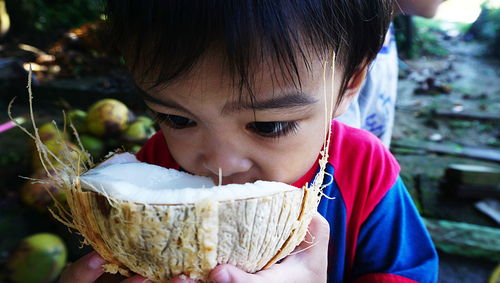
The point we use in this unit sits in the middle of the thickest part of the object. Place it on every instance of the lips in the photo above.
(233, 179)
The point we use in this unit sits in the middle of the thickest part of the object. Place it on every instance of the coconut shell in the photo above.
(162, 241)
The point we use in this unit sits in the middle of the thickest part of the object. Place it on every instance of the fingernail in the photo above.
(222, 276)
(96, 262)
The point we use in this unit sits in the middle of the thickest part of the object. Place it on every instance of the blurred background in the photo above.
(446, 136)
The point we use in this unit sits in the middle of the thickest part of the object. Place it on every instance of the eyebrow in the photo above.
(291, 100)
(167, 103)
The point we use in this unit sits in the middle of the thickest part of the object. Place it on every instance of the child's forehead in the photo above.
(265, 78)
(227, 103)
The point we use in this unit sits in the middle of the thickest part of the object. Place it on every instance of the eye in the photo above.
(273, 129)
(174, 121)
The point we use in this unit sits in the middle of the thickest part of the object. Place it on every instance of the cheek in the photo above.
(182, 148)
(290, 158)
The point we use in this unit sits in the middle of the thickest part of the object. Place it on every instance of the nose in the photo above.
(225, 158)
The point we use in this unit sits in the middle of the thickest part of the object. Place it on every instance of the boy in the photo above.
(240, 86)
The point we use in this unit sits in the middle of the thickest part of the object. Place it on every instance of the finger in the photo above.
(110, 278)
(182, 279)
(278, 273)
(85, 270)
(176, 279)
(137, 279)
(316, 240)
(309, 261)
(226, 273)
(310, 256)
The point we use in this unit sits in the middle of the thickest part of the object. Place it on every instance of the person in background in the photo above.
(374, 108)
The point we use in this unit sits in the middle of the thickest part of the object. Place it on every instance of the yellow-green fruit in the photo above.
(134, 148)
(146, 121)
(107, 117)
(58, 149)
(37, 195)
(50, 136)
(52, 139)
(93, 145)
(38, 258)
(78, 117)
(139, 131)
(48, 132)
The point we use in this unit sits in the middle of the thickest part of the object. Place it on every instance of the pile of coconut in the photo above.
(159, 222)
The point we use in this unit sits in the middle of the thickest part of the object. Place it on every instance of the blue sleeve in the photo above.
(394, 240)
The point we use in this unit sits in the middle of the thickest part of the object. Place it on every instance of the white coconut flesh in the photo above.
(123, 177)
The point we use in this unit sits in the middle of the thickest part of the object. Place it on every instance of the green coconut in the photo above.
(146, 121)
(78, 118)
(54, 140)
(39, 191)
(48, 132)
(93, 145)
(37, 259)
(107, 117)
(139, 131)
(134, 149)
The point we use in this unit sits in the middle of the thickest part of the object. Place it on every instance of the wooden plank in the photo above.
(465, 239)
(467, 191)
(476, 152)
(473, 174)
(490, 207)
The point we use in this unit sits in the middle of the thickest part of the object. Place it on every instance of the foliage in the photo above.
(51, 14)
(427, 43)
(39, 18)
(418, 37)
(487, 29)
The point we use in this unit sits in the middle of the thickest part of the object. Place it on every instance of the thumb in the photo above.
(308, 262)
(85, 270)
(316, 240)
(227, 273)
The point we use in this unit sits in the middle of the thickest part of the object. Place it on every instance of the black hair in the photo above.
(165, 39)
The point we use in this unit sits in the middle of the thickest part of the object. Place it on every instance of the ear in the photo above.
(352, 89)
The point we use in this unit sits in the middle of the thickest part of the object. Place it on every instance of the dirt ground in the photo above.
(474, 82)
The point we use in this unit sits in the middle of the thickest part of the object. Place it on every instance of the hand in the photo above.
(309, 265)
(89, 268)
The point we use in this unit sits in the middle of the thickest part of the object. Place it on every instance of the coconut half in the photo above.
(161, 222)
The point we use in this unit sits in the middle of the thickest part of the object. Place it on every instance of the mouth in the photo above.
(233, 179)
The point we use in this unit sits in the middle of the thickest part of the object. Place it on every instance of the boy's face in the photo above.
(278, 137)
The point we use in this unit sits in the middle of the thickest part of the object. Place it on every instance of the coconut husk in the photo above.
(160, 241)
